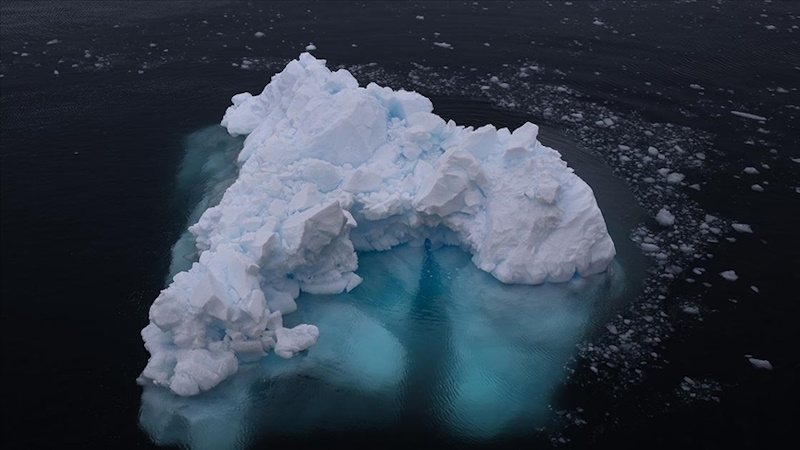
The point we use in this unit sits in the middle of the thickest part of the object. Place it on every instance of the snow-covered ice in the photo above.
(329, 168)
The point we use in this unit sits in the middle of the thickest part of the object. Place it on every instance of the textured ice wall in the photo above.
(329, 168)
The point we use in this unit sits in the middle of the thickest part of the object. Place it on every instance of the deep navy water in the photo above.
(103, 163)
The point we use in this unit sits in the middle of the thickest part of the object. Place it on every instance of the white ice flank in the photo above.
(329, 168)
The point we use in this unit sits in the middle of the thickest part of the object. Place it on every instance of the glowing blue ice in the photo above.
(428, 341)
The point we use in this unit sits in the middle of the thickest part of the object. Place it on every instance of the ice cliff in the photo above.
(329, 168)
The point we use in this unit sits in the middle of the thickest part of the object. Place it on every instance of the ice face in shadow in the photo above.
(329, 168)
(427, 344)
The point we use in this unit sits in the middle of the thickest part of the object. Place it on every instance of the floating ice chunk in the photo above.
(748, 115)
(675, 178)
(311, 47)
(294, 340)
(757, 188)
(259, 34)
(729, 275)
(760, 363)
(443, 45)
(650, 247)
(742, 227)
(665, 218)
(692, 310)
(200, 370)
(53, 41)
(420, 17)
(598, 23)
(329, 168)
(751, 171)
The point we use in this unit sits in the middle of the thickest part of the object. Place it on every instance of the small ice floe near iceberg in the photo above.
(760, 363)
(329, 168)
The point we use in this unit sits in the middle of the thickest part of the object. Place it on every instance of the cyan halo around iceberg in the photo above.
(329, 168)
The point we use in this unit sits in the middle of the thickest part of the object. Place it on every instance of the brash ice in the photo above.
(329, 168)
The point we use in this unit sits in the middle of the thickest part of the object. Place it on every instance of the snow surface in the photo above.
(330, 168)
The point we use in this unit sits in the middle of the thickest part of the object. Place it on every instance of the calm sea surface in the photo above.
(106, 106)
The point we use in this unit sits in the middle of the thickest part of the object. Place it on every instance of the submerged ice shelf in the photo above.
(428, 342)
(329, 168)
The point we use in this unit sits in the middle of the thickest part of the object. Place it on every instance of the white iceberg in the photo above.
(329, 168)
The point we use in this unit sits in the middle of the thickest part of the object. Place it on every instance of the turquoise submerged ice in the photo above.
(329, 168)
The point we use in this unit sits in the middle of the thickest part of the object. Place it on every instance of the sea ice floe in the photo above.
(729, 275)
(760, 363)
(665, 218)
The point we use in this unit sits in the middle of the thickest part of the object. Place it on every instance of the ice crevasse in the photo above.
(329, 168)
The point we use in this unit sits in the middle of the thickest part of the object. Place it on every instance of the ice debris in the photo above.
(729, 275)
(748, 115)
(665, 218)
(760, 363)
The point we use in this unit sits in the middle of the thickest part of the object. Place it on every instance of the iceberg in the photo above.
(329, 169)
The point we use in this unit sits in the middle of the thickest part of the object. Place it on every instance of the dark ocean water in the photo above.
(92, 200)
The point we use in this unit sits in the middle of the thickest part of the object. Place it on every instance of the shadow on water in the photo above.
(429, 335)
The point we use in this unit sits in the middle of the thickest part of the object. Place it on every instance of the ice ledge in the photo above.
(329, 168)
